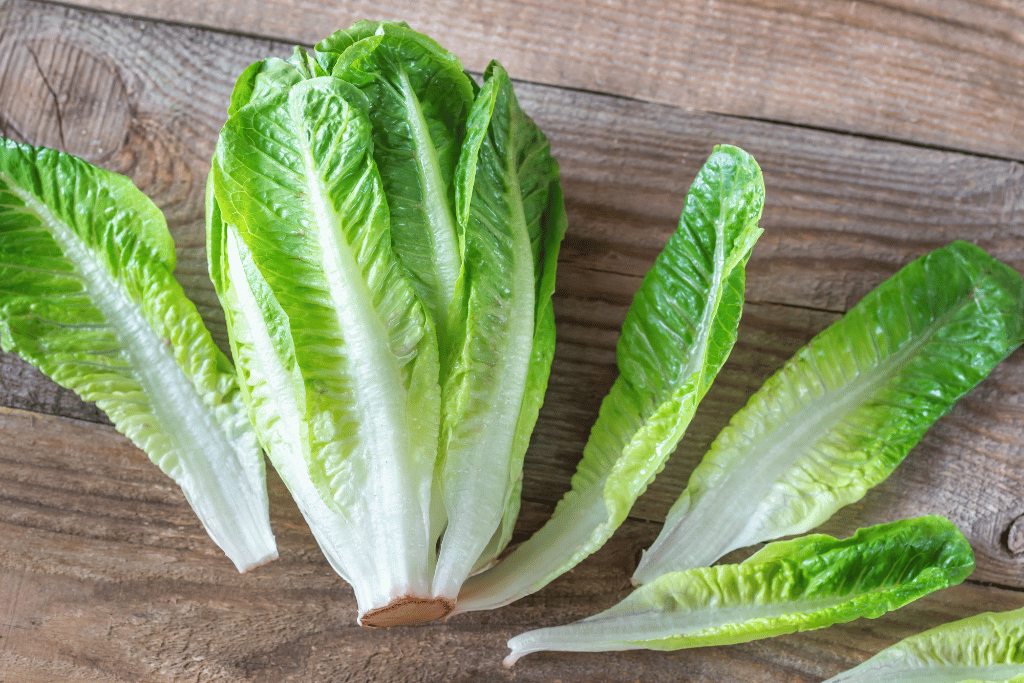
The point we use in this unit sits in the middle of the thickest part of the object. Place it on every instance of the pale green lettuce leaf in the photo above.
(987, 648)
(87, 296)
(788, 586)
(676, 336)
(338, 356)
(419, 99)
(840, 415)
(504, 334)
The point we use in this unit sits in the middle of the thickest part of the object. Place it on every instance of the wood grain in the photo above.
(105, 574)
(943, 73)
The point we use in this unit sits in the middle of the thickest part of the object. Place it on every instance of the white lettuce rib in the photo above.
(620, 629)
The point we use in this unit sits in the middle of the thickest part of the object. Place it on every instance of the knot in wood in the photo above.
(1015, 537)
(54, 93)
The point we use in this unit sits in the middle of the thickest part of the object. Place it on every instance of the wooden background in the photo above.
(884, 129)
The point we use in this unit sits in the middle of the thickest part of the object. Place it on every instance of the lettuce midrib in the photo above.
(444, 242)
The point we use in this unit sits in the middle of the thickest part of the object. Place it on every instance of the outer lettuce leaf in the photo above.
(512, 224)
(337, 354)
(987, 648)
(839, 416)
(676, 336)
(419, 99)
(87, 296)
(788, 586)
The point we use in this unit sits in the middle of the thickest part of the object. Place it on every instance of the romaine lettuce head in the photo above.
(383, 235)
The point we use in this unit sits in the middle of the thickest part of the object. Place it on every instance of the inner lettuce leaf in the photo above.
(987, 648)
(87, 295)
(846, 409)
(420, 98)
(788, 586)
(513, 220)
(676, 336)
(383, 234)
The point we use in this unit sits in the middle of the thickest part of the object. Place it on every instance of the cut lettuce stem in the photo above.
(87, 296)
(846, 409)
(987, 648)
(676, 336)
(788, 586)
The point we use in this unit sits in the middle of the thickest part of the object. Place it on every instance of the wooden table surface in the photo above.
(884, 130)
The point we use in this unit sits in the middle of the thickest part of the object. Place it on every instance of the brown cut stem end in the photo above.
(408, 610)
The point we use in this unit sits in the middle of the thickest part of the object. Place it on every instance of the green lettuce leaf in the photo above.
(512, 224)
(420, 98)
(987, 648)
(87, 296)
(846, 409)
(337, 355)
(788, 586)
(676, 336)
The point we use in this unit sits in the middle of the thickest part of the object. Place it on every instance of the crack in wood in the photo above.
(53, 94)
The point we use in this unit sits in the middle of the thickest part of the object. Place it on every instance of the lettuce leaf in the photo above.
(87, 296)
(788, 586)
(676, 336)
(419, 97)
(512, 217)
(846, 409)
(337, 355)
(987, 648)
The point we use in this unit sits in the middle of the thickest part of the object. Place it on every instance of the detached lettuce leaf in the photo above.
(87, 296)
(337, 355)
(846, 409)
(788, 586)
(987, 648)
(676, 336)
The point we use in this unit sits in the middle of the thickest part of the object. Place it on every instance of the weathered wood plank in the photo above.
(105, 575)
(941, 73)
